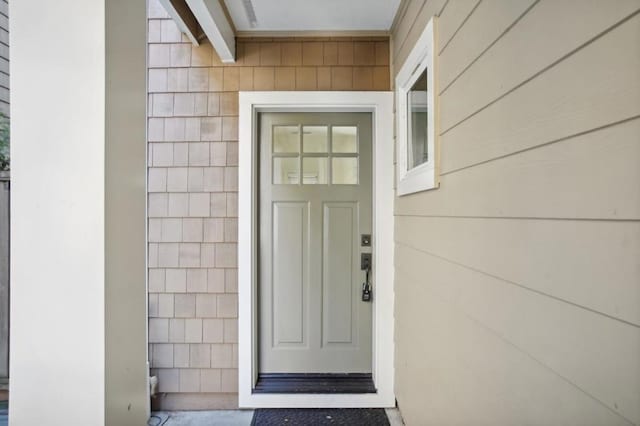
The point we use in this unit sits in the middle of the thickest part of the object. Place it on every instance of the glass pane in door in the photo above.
(314, 170)
(344, 139)
(286, 139)
(285, 170)
(344, 171)
(314, 138)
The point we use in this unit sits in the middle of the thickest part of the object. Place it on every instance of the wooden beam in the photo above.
(179, 11)
(211, 16)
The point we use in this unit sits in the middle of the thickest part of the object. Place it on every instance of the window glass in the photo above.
(417, 141)
(285, 170)
(314, 170)
(286, 139)
(304, 158)
(344, 139)
(344, 171)
(314, 138)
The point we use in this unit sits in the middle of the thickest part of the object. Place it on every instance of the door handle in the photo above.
(365, 264)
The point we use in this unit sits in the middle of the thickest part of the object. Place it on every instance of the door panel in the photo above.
(315, 201)
(340, 229)
(290, 239)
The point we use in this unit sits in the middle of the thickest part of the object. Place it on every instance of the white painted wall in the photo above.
(57, 229)
(58, 151)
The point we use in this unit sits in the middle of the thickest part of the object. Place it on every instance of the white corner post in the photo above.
(78, 287)
(380, 104)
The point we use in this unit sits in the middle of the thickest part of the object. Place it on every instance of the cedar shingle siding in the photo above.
(193, 158)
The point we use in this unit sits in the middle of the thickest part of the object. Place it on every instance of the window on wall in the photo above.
(417, 123)
(417, 117)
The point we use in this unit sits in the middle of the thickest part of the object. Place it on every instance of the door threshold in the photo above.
(314, 383)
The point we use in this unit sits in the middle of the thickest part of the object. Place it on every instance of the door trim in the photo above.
(380, 104)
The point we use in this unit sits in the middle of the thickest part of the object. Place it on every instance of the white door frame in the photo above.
(380, 104)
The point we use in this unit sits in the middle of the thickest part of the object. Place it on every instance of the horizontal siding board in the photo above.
(485, 25)
(4, 95)
(595, 87)
(431, 8)
(468, 374)
(551, 30)
(568, 340)
(592, 176)
(4, 51)
(593, 264)
(452, 18)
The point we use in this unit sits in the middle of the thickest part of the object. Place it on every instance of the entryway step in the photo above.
(314, 383)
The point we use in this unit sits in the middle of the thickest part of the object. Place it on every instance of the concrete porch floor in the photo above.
(226, 418)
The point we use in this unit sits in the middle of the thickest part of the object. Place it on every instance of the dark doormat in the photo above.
(314, 383)
(320, 416)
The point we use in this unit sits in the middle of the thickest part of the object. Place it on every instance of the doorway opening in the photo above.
(314, 250)
(306, 163)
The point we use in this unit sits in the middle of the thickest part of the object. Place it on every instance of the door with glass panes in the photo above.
(315, 223)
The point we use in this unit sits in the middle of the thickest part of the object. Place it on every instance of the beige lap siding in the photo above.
(522, 268)
(193, 175)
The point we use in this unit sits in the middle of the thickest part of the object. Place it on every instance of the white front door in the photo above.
(315, 218)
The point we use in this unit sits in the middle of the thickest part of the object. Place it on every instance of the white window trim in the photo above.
(381, 105)
(425, 176)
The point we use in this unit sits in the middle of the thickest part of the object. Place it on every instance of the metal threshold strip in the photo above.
(314, 383)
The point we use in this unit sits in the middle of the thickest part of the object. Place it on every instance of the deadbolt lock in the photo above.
(365, 261)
